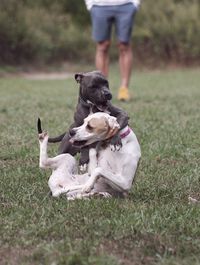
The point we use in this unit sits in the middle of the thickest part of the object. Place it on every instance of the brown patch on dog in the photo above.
(111, 132)
(98, 126)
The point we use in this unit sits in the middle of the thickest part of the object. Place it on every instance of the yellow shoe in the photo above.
(123, 94)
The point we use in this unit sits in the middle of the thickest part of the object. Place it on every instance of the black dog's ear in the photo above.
(78, 77)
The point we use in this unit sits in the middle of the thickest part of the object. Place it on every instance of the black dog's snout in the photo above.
(107, 95)
(72, 132)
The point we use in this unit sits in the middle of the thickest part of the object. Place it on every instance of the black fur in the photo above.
(39, 127)
(95, 96)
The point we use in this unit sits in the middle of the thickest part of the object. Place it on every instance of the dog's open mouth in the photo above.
(79, 143)
(102, 106)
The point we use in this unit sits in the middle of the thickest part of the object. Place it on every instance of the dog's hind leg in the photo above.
(121, 182)
(89, 195)
(68, 189)
(44, 160)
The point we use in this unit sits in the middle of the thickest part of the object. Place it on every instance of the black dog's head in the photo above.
(94, 87)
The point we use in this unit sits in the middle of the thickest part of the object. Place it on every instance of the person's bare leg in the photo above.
(102, 57)
(125, 64)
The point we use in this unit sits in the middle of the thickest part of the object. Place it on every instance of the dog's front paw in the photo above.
(83, 168)
(42, 136)
(87, 187)
(115, 143)
(56, 193)
(104, 194)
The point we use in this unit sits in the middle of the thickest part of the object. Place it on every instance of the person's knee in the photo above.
(124, 47)
(103, 47)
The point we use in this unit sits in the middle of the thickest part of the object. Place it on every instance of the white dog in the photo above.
(64, 169)
(110, 173)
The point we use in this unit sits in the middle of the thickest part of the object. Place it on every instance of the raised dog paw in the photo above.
(43, 135)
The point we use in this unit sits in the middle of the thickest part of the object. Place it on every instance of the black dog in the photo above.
(94, 96)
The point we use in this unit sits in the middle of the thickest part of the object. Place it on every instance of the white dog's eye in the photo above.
(89, 127)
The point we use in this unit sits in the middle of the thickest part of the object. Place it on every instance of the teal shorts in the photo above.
(121, 16)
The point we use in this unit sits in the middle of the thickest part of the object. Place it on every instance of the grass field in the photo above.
(155, 225)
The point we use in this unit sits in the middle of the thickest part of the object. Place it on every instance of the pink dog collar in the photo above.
(123, 135)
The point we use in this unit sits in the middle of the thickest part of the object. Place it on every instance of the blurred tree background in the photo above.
(58, 30)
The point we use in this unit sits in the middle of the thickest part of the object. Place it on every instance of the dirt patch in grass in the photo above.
(136, 250)
(13, 255)
(38, 75)
(46, 76)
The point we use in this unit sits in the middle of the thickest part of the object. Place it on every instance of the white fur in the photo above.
(109, 172)
(83, 134)
(117, 169)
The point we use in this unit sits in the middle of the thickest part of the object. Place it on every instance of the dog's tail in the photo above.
(39, 127)
(56, 139)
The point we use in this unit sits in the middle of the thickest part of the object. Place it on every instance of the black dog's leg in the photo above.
(84, 157)
(116, 142)
(67, 147)
(122, 119)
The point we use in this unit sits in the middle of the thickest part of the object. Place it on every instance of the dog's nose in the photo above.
(72, 132)
(107, 95)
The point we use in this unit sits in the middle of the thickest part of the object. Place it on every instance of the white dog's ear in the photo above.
(78, 77)
(113, 124)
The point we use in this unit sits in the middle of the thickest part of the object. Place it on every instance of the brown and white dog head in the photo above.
(96, 127)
